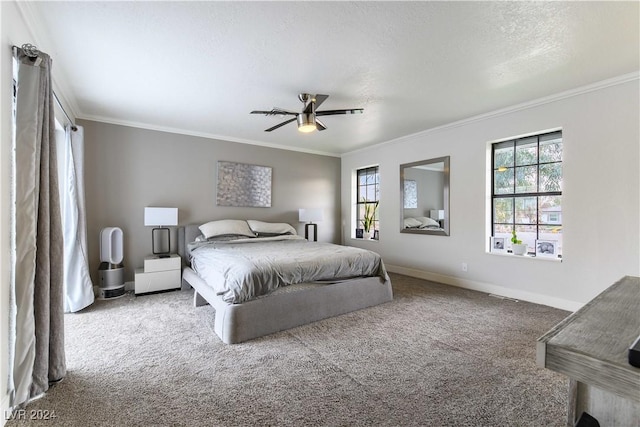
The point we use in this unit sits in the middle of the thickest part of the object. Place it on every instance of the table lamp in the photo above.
(160, 218)
(309, 216)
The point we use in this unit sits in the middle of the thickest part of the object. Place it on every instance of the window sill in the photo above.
(360, 239)
(527, 256)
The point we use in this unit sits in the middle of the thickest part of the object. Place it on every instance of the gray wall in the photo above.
(128, 168)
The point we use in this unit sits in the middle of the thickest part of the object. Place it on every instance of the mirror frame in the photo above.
(445, 228)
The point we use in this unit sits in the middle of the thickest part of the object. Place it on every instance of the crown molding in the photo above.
(206, 135)
(603, 84)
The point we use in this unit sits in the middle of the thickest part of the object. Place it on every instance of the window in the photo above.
(526, 190)
(367, 193)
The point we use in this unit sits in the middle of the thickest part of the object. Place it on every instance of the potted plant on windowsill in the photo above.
(369, 218)
(517, 247)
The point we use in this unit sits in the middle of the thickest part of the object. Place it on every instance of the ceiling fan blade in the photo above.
(279, 125)
(275, 111)
(320, 125)
(319, 99)
(334, 112)
(314, 103)
(282, 111)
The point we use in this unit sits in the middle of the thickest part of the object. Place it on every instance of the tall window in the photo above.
(367, 193)
(527, 190)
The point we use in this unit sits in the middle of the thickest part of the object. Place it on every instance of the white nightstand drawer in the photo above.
(157, 281)
(154, 263)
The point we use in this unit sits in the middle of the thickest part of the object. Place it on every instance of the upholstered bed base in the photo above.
(285, 308)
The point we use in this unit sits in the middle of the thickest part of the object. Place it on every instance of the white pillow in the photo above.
(425, 220)
(411, 223)
(271, 228)
(226, 227)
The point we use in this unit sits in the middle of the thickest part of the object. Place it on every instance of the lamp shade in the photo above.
(310, 215)
(160, 216)
(436, 214)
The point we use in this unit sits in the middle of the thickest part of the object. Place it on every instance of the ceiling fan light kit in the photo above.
(307, 118)
(306, 122)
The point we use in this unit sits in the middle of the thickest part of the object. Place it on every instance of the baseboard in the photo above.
(129, 286)
(488, 288)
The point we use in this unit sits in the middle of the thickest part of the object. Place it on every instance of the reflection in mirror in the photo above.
(424, 201)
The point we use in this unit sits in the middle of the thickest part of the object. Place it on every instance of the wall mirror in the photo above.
(424, 201)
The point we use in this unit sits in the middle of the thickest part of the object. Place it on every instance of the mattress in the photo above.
(243, 269)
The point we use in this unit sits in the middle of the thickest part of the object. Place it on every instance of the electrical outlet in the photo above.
(464, 266)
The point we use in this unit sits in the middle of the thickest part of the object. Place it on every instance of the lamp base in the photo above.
(315, 231)
(162, 234)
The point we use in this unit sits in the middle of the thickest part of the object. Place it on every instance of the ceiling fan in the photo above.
(308, 117)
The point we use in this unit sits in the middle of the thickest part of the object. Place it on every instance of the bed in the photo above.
(291, 295)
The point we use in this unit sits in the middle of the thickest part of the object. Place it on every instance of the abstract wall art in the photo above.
(240, 184)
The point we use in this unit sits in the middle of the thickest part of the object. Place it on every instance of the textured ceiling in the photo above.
(201, 67)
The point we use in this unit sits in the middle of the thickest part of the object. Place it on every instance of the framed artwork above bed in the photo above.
(243, 185)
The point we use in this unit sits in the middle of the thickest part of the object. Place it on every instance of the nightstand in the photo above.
(159, 274)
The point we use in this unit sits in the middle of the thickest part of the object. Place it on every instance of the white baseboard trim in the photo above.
(488, 288)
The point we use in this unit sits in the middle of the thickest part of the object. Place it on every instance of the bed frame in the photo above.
(284, 308)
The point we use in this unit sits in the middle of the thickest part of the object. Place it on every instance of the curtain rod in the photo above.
(73, 126)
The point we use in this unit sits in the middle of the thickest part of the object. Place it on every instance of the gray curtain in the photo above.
(37, 336)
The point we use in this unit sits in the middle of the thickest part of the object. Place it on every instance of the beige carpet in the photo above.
(435, 356)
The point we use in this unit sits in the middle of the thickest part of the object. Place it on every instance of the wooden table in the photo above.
(591, 348)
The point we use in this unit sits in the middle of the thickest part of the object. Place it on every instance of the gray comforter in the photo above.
(242, 270)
